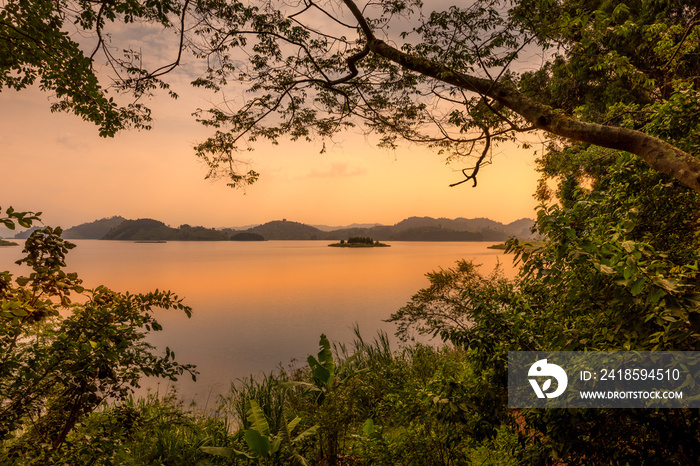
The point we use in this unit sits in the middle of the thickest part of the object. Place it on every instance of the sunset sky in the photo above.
(57, 164)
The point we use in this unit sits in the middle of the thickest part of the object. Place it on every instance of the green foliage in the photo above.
(633, 265)
(323, 368)
(62, 360)
(325, 375)
(265, 448)
(151, 430)
(407, 407)
(456, 297)
(264, 392)
(618, 270)
(373, 386)
(23, 219)
(36, 48)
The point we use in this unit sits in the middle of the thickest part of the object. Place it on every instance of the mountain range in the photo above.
(410, 229)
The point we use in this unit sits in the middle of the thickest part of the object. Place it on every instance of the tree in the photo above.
(61, 360)
(38, 42)
(618, 271)
(449, 79)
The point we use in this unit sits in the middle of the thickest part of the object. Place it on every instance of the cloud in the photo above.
(338, 170)
(70, 141)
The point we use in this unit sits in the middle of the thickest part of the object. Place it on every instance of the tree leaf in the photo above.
(257, 420)
(220, 451)
(637, 286)
(258, 443)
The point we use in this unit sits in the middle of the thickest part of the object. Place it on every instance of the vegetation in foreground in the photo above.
(63, 358)
(529, 245)
(374, 407)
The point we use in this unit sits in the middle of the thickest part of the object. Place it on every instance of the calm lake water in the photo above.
(263, 303)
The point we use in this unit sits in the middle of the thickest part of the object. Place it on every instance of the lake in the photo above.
(258, 304)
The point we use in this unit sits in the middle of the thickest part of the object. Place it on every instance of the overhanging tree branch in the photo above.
(659, 154)
(327, 79)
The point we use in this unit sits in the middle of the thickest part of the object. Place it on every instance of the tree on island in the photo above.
(360, 240)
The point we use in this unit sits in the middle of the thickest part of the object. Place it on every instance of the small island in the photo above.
(359, 242)
(7, 243)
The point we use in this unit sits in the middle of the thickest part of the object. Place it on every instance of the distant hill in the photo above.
(90, 230)
(410, 229)
(519, 228)
(439, 234)
(354, 225)
(146, 229)
(378, 233)
(93, 230)
(247, 237)
(282, 229)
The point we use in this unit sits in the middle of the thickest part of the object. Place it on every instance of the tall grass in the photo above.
(152, 430)
(385, 406)
(265, 390)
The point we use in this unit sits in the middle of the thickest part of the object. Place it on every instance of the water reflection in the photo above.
(260, 304)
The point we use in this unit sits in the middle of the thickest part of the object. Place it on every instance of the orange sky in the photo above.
(57, 164)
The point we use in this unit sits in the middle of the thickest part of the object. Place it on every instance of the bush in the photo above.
(61, 360)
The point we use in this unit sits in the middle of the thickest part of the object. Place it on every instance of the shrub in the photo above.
(60, 360)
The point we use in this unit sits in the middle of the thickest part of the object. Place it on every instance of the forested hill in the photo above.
(443, 229)
(410, 229)
(93, 230)
(147, 229)
(283, 229)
